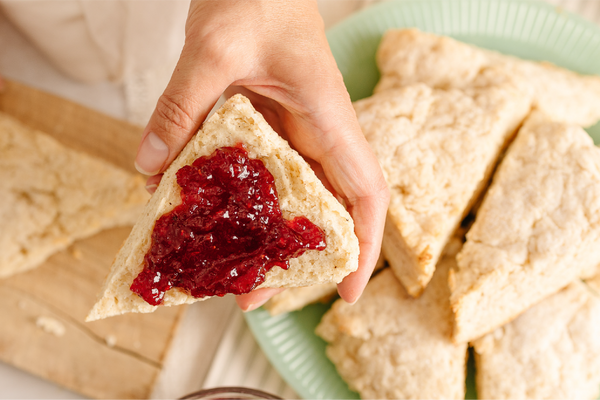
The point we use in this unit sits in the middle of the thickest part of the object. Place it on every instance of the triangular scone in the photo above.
(437, 149)
(390, 345)
(537, 230)
(294, 299)
(53, 195)
(551, 351)
(408, 56)
(300, 193)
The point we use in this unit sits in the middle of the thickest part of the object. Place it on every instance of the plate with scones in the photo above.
(483, 116)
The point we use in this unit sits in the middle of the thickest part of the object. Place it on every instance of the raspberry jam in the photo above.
(227, 233)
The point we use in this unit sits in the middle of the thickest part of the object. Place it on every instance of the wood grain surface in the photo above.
(119, 357)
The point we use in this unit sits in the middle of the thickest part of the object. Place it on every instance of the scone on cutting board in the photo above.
(437, 149)
(551, 351)
(390, 345)
(537, 230)
(408, 56)
(53, 195)
(230, 171)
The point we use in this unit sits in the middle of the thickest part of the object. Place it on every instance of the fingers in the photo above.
(366, 213)
(193, 90)
(327, 131)
(256, 298)
(346, 159)
(355, 173)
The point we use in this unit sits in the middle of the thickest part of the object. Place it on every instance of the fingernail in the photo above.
(151, 188)
(351, 301)
(152, 155)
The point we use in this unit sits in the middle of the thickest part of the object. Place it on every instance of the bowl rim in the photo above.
(231, 390)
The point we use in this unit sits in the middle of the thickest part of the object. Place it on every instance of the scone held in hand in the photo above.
(301, 195)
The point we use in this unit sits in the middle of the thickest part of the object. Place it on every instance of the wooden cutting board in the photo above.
(42, 328)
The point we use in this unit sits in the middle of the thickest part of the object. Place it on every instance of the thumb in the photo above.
(191, 93)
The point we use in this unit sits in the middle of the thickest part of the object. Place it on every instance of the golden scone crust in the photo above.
(551, 351)
(408, 56)
(437, 149)
(300, 193)
(594, 282)
(53, 195)
(441, 114)
(537, 230)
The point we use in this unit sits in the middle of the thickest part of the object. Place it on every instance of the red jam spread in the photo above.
(227, 233)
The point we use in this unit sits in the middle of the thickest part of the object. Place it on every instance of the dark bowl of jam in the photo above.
(230, 393)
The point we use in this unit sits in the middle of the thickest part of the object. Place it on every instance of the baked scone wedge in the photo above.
(390, 345)
(53, 195)
(594, 282)
(537, 230)
(300, 194)
(408, 56)
(551, 351)
(294, 299)
(437, 149)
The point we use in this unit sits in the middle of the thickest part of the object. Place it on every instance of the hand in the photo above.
(276, 54)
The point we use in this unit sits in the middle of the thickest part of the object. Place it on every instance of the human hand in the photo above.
(276, 54)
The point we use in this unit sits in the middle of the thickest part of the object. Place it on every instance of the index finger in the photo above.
(355, 173)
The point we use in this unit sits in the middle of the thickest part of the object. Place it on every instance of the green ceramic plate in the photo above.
(528, 29)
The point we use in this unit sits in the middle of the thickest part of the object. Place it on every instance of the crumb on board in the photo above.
(50, 325)
(76, 253)
(111, 340)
